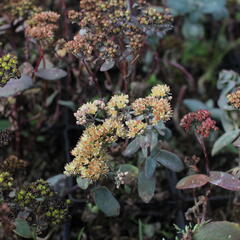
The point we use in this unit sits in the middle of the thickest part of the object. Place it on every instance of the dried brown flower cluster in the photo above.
(109, 122)
(234, 99)
(112, 29)
(5, 137)
(12, 163)
(42, 26)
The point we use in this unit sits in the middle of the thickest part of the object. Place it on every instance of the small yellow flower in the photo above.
(160, 91)
(135, 127)
(234, 99)
(116, 103)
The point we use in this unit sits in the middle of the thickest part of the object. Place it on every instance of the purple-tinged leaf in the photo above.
(15, 86)
(52, 74)
(193, 181)
(224, 180)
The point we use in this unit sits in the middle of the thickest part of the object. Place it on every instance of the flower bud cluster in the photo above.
(106, 23)
(8, 69)
(199, 122)
(42, 200)
(37, 190)
(119, 178)
(6, 181)
(107, 123)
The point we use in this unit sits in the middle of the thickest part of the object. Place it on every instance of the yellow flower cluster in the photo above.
(234, 99)
(90, 154)
(135, 127)
(88, 109)
(158, 103)
(116, 103)
(120, 121)
(160, 91)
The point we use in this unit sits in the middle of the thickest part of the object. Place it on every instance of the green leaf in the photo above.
(168, 160)
(106, 202)
(224, 140)
(146, 187)
(83, 183)
(4, 124)
(218, 231)
(194, 105)
(150, 166)
(132, 148)
(68, 104)
(23, 229)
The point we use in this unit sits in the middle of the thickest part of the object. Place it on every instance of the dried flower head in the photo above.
(104, 22)
(8, 69)
(199, 122)
(234, 99)
(42, 26)
(5, 137)
(12, 163)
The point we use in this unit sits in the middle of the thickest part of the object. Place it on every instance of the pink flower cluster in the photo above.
(200, 122)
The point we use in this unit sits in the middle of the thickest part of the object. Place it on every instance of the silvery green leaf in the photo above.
(132, 147)
(106, 202)
(146, 187)
(226, 139)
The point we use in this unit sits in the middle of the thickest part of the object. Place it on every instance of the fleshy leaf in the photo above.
(132, 148)
(106, 202)
(51, 74)
(107, 65)
(192, 181)
(22, 228)
(83, 183)
(224, 180)
(15, 86)
(224, 140)
(146, 187)
(218, 231)
(168, 160)
(150, 166)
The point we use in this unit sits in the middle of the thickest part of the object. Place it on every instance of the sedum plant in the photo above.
(110, 123)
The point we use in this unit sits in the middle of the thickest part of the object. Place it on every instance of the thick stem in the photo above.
(201, 142)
